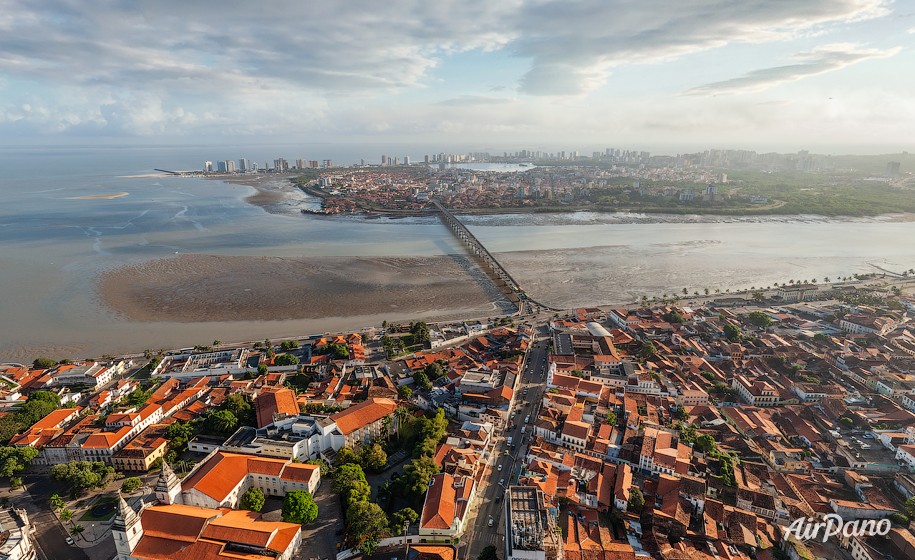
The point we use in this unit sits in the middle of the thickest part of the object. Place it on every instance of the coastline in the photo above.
(278, 194)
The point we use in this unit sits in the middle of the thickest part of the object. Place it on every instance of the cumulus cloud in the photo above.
(232, 67)
(573, 47)
(819, 61)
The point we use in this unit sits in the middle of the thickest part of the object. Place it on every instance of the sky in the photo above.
(833, 76)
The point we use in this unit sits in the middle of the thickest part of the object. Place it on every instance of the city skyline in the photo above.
(823, 76)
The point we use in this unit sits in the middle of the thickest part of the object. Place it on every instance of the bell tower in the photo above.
(126, 529)
(168, 487)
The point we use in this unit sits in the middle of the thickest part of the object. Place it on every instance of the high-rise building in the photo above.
(313, 163)
(406, 160)
(230, 166)
(222, 167)
(281, 165)
(300, 164)
(244, 165)
(892, 169)
(208, 166)
(328, 163)
(384, 159)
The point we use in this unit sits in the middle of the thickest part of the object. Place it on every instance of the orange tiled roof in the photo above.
(225, 471)
(363, 414)
(194, 533)
(439, 507)
(275, 401)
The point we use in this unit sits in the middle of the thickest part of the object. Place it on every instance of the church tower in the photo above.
(126, 529)
(168, 487)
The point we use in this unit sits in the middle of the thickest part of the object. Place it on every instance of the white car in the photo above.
(500, 467)
(491, 521)
(70, 541)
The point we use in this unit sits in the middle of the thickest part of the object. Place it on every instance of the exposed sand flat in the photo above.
(145, 176)
(99, 196)
(203, 288)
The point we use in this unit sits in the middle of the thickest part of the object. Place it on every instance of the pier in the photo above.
(502, 278)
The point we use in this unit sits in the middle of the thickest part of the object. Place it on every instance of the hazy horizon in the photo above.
(828, 76)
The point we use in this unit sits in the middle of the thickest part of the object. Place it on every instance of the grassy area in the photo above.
(89, 516)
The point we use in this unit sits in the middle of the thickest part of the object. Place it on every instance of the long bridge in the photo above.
(503, 279)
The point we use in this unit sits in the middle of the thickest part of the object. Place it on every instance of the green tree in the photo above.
(221, 422)
(262, 369)
(434, 370)
(289, 345)
(285, 360)
(373, 457)
(401, 518)
(66, 515)
(77, 529)
(357, 491)
(405, 392)
(367, 524)
(422, 380)
(636, 500)
(44, 363)
(488, 553)
(299, 507)
(647, 350)
(420, 332)
(759, 319)
(131, 485)
(15, 459)
(706, 443)
(82, 475)
(345, 474)
(731, 332)
(56, 502)
(253, 499)
(673, 316)
(417, 474)
(910, 507)
(345, 456)
(239, 405)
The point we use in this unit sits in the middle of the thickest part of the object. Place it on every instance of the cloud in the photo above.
(819, 61)
(574, 46)
(475, 100)
(210, 67)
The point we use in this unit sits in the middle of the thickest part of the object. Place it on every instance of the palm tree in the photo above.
(57, 503)
(77, 529)
(217, 342)
(66, 515)
(706, 290)
(386, 427)
(717, 290)
(826, 279)
(147, 354)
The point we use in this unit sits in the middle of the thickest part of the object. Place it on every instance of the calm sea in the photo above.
(53, 244)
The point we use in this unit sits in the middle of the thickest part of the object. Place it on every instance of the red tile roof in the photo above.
(275, 401)
(363, 414)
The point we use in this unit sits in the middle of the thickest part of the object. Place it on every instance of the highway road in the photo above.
(507, 460)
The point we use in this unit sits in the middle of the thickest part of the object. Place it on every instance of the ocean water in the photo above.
(53, 244)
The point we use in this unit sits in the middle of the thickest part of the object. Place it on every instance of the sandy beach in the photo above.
(205, 288)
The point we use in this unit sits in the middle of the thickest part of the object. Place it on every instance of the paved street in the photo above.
(488, 505)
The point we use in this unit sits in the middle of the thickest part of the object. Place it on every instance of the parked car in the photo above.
(70, 541)
(491, 521)
(500, 467)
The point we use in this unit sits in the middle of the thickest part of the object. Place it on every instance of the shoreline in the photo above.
(269, 198)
